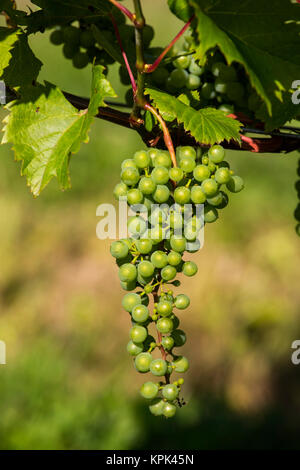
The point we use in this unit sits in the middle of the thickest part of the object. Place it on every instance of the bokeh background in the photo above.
(68, 382)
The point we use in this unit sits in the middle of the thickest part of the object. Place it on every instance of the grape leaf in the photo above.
(181, 9)
(45, 129)
(8, 37)
(264, 38)
(207, 125)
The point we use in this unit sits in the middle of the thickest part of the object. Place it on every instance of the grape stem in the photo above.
(149, 68)
(124, 10)
(139, 98)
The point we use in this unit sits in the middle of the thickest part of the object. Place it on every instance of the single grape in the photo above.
(182, 301)
(186, 152)
(167, 342)
(143, 360)
(157, 407)
(222, 175)
(221, 86)
(182, 62)
(157, 234)
(176, 321)
(201, 173)
(120, 190)
(161, 194)
(174, 258)
(181, 364)
(178, 243)
(134, 348)
(216, 153)
(128, 285)
(71, 34)
(178, 78)
(87, 39)
(142, 159)
(180, 381)
(168, 273)
(217, 68)
(158, 367)
(164, 325)
(224, 201)
(170, 392)
(130, 176)
(189, 268)
(236, 184)
(144, 246)
(159, 259)
(69, 50)
(119, 249)
(182, 195)
(147, 185)
(209, 187)
(193, 82)
(127, 272)
(210, 214)
(215, 200)
(146, 268)
(169, 410)
(130, 301)
(134, 196)
(164, 308)
(179, 338)
(162, 159)
(149, 390)
(194, 68)
(80, 60)
(176, 174)
(140, 313)
(57, 37)
(136, 226)
(197, 195)
(187, 164)
(176, 220)
(228, 73)
(160, 175)
(138, 334)
(208, 91)
(128, 163)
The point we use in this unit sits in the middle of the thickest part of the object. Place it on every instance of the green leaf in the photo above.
(45, 129)
(207, 125)
(264, 38)
(181, 9)
(8, 37)
(104, 39)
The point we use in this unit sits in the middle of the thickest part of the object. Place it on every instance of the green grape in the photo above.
(193, 82)
(174, 258)
(130, 176)
(182, 62)
(130, 301)
(217, 68)
(201, 173)
(221, 86)
(181, 364)
(160, 175)
(128, 163)
(187, 164)
(147, 185)
(149, 390)
(152, 154)
(134, 196)
(208, 91)
(222, 175)
(128, 285)
(127, 272)
(164, 325)
(175, 322)
(168, 273)
(157, 407)
(144, 246)
(140, 313)
(216, 153)
(170, 392)
(86, 39)
(167, 342)
(57, 37)
(209, 187)
(161, 194)
(228, 73)
(169, 410)
(71, 35)
(164, 308)
(224, 202)
(194, 68)
(236, 184)
(176, 220)
(182, 301)
(157, 234)
(186, 151)
(119, 249)
(136, 226)
(235, 91)
(159, 259)
(143, 360)
(197, 195)
(146, 268)
(69, 50)
(158, 367)
(178, 243)
(142, 159)
(178, 78)
(210, 214)
(138, 334)
(215, 200)
(163, 159)
(120, 190)
(189, 268)
(160, 75)
(158, 216)
(179, 338)
(182, 195)
(134, 348)
(176, 174)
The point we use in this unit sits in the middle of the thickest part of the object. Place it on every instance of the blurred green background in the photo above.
(68, 382)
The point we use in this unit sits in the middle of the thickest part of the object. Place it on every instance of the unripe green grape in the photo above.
(180, 381)
(205, 159)
(142, 159)
(157, 407)
(149, 390)
(136, 226)
(130, 176)
(138, 334)
(134, 348)
(87, 39)
(127, 272)
(182, 301)
(144, 280)
(186, 151)
(193, 82)
(134, 196)
(179, 338)
(212, 168)
(128, 163)
(152, 154)
(160, 175)
(157, 234)
(120, 190)
(176, 322)
(168, 273)
(189, 268)
(158, 367)
(201, 173)
(208, 91)
(158, 216)
(161, 194)
(181, 364)
(194, 68)
(71, 34)
(130, 301)
(228, 74)
(119, 249)
(176, 174)
(222, 175)
(178, 78)
(160, 75)
(147, 185)
(224, 201)
(197, 195)
(221, 86)
(164, 308)
(57, 37)
(215, 200)
(174, 258)
(216, 153)
(69, 50)
(159, 259)
(182, 62)
(178, 243)
(169, 410)
(164, 325)
(146, 268)
(217, 67)
(187, 164)
(167, 342)
(144, 245)
(176, 220)
(128, 286)
(143, 360)
(140, 313)
(209, 187)
(235, 91)
(170, 392)
(182, 195)
(210, 214)
(163, 159)
(236, 184)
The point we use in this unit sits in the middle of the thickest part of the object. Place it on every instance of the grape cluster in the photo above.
(297, 210)
(153, 254)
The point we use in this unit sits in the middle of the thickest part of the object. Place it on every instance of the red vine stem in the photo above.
(124, 10)
(133, 84)
(149, 68)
